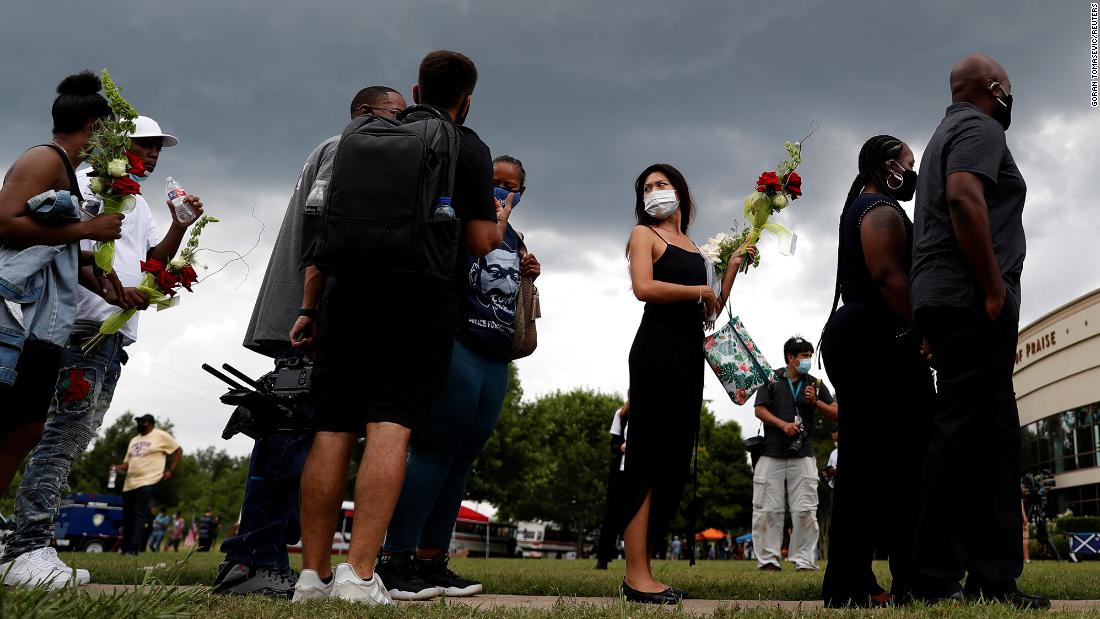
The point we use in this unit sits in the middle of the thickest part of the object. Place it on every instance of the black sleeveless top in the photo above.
(678, 266)
(856, 285)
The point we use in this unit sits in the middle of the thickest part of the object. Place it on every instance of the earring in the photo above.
(901, 181)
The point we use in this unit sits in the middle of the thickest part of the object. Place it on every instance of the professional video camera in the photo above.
(269, 405)
(1036, 488)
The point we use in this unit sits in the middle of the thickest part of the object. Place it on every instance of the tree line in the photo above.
(547, 460)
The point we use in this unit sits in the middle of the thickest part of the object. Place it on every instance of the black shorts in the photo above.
(28, 399)
(383, 354)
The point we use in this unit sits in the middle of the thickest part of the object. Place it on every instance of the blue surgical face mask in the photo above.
(501, 194)
(804, 366)
(138, 179)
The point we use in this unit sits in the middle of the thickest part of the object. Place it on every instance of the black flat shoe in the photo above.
(668, 596)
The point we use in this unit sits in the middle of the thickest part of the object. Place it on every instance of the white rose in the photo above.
(780, 201)
(117, 167)
(96, 185)
(177, 263)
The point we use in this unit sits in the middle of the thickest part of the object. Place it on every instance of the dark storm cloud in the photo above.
(586, 94)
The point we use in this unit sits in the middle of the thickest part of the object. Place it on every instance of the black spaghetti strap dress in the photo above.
(666, 397)
(886, 402)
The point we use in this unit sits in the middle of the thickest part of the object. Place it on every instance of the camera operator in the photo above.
(256, 559)
(787, 406)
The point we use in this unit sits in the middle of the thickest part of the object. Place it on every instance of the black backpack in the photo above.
(387, 179)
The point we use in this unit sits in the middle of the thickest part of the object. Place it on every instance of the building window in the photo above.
(1067, 441)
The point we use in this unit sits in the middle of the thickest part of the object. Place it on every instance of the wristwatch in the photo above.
(308, 312)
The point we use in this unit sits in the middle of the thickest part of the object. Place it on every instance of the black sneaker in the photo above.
(240, 579)
(402, 580)
(436, 572)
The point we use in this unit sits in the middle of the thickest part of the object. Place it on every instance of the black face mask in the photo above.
(1002, 112)
(902, 185)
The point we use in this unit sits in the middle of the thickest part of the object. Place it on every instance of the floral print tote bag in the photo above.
(736, 360)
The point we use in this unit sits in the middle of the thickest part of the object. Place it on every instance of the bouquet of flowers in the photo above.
(775, 191)
(722, 247)
(116, 171)
(159, 283)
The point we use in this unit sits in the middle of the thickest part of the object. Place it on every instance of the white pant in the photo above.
(800, 476)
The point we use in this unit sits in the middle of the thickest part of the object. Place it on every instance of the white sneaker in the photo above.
(348, 586)
(83, 576)
(37, 568)
(311, 587)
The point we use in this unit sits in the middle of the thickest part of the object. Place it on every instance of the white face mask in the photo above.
(661, 203)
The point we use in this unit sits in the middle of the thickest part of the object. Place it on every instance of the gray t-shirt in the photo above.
(785, 399)
(966, 141)
(280, 295)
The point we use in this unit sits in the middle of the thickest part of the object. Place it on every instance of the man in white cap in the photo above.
(86, 384)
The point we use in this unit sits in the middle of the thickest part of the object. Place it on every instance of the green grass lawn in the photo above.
(717, 580)
(725, 580)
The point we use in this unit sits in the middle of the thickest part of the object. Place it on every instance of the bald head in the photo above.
(982, 82)
(971, 77)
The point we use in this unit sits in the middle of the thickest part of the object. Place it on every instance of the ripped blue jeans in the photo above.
(82, 396)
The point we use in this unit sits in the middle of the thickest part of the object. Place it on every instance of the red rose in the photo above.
(768, 182)
(187, 276)
(125, 186)
(152, 266)
(137, 166)
(794, 185)
(166, 281)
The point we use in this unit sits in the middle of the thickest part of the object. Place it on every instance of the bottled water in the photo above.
(177, 196)
(443, 210)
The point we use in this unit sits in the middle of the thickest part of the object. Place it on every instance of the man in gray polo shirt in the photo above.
(967, 258)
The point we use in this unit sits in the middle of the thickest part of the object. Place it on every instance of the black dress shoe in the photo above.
(668, 596)
(1022, 601)
(956, 597)
(601, 565)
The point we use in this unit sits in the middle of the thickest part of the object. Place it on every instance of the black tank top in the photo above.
(856, 285)
(678, 266)
(74, 186)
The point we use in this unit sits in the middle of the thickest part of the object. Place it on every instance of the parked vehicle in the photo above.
(89, 523)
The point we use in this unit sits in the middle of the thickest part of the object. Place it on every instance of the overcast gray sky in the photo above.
(586, 94)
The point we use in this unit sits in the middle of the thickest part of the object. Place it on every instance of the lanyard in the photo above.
(795, 390)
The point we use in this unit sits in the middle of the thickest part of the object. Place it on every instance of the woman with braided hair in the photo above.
(885, 414)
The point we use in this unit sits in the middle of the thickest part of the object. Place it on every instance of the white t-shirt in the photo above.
(139, 235)
(832, 463)
(618, 430)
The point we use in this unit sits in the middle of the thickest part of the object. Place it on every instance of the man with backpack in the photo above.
(401, 199)
(256, 560)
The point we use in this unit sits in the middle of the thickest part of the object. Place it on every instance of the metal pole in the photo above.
(486, 540)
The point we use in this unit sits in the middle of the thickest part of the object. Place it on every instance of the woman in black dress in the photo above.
(669, 274)
(874, 359)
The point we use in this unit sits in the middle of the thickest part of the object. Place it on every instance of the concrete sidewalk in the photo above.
(694, 607)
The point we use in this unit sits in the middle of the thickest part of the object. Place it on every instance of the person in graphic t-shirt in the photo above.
(144, 465)
(446, 445)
